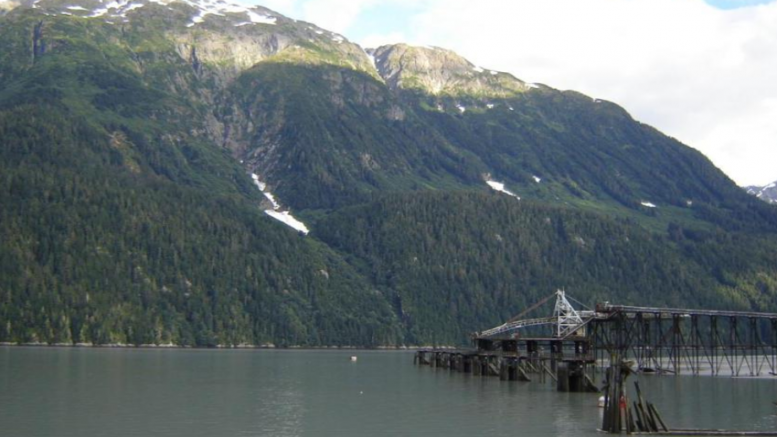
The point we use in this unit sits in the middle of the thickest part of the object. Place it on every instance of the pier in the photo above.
(568, 345)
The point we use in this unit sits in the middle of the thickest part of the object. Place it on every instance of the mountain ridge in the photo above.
(144, 149)
(767, 193)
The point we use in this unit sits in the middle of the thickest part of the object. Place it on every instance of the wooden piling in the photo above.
(467, 365)
(658, 416)
(562, 377)
(521, 374)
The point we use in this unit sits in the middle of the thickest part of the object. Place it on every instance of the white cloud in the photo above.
(335, 15)
(282, 6)
(374, 41)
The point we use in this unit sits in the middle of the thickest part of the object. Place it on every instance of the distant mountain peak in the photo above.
(234, 36)
(440, 71)
(767, 193)
(225, 35)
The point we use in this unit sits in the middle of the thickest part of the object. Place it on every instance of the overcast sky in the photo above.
(702, 72)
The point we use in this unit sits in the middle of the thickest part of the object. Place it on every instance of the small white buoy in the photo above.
(354, 358)
(601, 402)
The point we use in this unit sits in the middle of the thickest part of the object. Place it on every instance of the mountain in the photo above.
(766, 193)
(201, 173)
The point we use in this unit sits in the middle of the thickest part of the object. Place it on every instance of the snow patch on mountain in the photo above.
(370, 53)
(259, 184)
(500, 186)
(372, 60)
(263, 188)
(763, 190)
(648, 204)
(767, 193)
(287, 219)
(275, 205)
(260, 19)
(284, 217)
(537, 179)
(120, 8)
(197, 19)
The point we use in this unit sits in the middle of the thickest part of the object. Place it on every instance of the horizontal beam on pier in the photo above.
(612, 309)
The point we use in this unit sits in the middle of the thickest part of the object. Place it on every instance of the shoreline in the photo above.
(268, 346)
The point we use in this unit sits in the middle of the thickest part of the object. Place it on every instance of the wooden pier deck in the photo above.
(571, 372)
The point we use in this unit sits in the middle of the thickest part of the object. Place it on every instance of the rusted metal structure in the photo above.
(674, 340)
(568, 345)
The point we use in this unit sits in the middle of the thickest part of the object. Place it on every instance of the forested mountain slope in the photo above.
(452, 262)
(130, 133)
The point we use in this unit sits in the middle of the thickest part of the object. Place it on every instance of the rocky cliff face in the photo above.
(438, 71)
(226, 37)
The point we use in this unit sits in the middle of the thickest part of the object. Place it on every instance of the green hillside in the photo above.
(457, 262)
(128, 136)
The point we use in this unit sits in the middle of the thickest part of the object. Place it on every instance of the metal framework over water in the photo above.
(659, 340)
(696, 341)
(672, 340)
(570, 344)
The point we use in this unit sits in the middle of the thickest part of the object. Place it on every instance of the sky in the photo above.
(704, 72)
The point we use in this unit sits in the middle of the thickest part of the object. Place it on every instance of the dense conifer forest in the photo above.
(129, 215)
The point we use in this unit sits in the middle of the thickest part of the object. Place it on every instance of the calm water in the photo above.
(124, 392)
